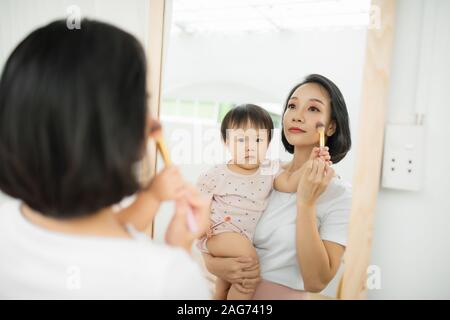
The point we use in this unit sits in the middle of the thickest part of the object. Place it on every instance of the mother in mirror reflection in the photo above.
(301, 236)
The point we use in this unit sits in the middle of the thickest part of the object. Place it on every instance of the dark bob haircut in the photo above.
(340, 142)
(243, 114)
(72, 118)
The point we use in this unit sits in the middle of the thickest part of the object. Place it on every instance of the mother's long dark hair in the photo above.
(72, 118)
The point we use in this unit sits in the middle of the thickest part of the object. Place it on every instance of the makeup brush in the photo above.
(321, 130)
(156, 133)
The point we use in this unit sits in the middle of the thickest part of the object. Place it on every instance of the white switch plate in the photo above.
(403, 157)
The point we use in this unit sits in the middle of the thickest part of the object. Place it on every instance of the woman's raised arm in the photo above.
(318, 260)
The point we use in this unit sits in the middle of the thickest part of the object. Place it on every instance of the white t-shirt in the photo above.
(39, 264)
(276, 231)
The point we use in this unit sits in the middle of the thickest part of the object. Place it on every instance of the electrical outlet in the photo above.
(403, 157)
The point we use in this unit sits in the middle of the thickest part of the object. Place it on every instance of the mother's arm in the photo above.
(235, 271)
(141, 212)
(318, 260)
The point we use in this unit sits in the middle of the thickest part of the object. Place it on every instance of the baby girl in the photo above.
(239, 189)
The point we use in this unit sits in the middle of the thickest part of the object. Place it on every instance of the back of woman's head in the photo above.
(72, 118)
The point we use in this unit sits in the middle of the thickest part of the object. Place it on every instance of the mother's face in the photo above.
(307, 106)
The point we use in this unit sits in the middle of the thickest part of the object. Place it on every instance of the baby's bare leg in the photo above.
(231, 244)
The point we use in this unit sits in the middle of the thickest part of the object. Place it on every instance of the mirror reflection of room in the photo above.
(236, 66)
(224, 55)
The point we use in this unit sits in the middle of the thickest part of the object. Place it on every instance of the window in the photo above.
(206, 112)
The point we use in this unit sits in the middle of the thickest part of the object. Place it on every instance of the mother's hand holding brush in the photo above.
(191, 218)
(179, 233)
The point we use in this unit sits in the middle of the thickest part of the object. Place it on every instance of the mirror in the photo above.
(220, 54)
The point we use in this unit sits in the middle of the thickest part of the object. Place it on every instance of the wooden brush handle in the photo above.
(322, 139)
(163, 150)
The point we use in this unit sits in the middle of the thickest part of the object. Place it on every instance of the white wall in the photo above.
(411, 242)
(20, 17)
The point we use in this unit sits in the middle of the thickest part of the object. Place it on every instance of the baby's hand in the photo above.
(167, 184)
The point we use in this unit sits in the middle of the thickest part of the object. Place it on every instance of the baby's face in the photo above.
(248, 146)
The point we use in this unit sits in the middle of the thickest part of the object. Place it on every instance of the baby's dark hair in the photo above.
(245, 114)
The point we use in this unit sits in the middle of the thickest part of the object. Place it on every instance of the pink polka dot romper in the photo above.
(242, 198)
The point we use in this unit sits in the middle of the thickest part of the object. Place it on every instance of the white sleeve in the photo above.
(334, 225)
(187, 282)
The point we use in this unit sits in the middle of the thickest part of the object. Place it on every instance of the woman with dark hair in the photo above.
(73, 125)
(301, 236)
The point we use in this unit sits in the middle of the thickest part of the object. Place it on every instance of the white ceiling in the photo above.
(264, 16)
